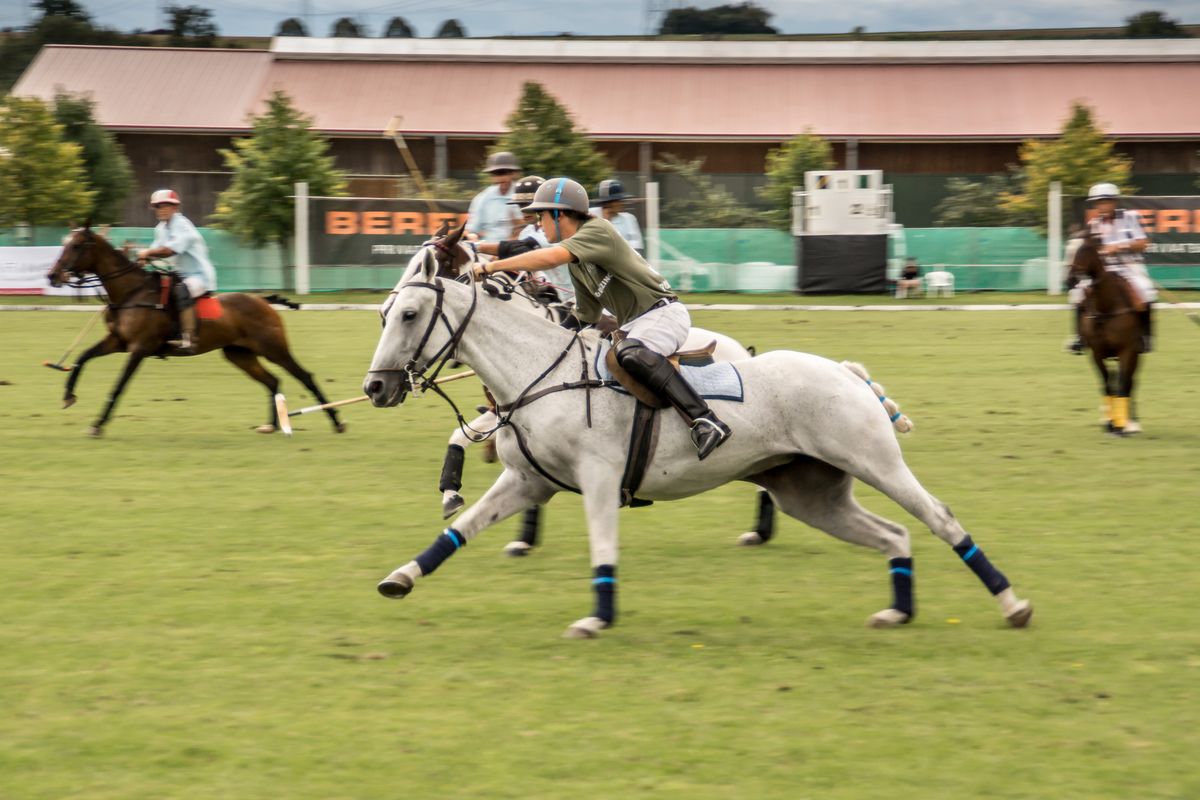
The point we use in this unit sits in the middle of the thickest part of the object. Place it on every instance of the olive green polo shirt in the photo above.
(608, 273)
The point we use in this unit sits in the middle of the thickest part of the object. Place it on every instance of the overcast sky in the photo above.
(514, 17)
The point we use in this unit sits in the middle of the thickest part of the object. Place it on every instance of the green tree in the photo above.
(292, 27)
(451, 29)
(398, 28)
(1152, 25)
(66, 24)
(1078, 158)
(543, 137)
(347, 28)
(728, 19)
(281, 150)
(786, 166)
(62, 8)
(974, 204)
(191, 26)
(706, 204)
(42, 176)
(109, 173)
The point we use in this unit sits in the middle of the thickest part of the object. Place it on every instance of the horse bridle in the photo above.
(84, 280)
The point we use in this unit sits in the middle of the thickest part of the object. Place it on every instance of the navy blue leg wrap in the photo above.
(530, 522)
(902, 585)
(992, 578)
(442, 548)
(452, 469)
(605, 584)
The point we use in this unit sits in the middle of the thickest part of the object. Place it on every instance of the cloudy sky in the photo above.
(509, 17)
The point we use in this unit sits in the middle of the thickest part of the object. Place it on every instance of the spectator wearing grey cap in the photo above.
(491, 216)
(610, 204)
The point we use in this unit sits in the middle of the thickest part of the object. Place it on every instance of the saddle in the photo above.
(701, 357)
(170, 283)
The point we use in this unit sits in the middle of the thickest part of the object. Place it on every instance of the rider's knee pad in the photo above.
(643, 363)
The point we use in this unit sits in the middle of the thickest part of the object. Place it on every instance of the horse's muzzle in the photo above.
(386, 389)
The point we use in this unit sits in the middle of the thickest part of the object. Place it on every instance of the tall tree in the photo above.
(282, 149)
(62, 8)
(347, 28)
(974, 204)
(451, 29)
(706, 204)
(1078, 158)
(398, 28)
(191, 26)
(1152, 25)
(42, 176)
(543, 137)
(292, 26)
(730, 19)
(786, 166)
(109, 173)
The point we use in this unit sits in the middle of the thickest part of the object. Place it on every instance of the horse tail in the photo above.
(901, 423)
(280, 300)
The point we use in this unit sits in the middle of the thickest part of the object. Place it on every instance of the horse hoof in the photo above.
(265, 429)
(751, 539)
(586, 628)
(1133, 427)
(396, 585)
(451, 504)
(94, 431)
(339, 427)
(1020, 615)
(69, 401)
(888, 618)
(518, 549)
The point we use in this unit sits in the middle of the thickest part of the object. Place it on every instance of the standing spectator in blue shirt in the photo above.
(491, 216)
(177, 240)
(610, 204)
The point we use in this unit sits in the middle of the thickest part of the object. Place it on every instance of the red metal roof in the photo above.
(882, 100)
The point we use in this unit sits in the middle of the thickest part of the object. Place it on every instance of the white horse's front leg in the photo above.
(452, 465)
(601, 504)
(511, 492)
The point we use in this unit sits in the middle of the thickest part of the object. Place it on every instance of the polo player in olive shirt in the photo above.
(609, 274)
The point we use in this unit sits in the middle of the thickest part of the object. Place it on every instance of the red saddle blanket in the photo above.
(209, 307)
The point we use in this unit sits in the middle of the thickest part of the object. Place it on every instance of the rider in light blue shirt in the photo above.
(492, 217)
(178, 241)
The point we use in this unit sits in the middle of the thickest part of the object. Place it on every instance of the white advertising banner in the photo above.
(23, 270)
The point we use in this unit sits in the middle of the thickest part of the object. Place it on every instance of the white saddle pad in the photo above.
(719, 381)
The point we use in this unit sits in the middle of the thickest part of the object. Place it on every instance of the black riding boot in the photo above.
(657, 374)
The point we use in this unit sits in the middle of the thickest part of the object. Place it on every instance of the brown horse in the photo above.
(141, 324)
(1110, 329)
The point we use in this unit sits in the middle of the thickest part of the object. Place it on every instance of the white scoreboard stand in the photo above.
(841, 221)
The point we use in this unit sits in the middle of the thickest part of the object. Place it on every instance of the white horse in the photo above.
(807, 428)
(457, 258)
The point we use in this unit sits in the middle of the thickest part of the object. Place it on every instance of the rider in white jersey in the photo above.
(177, 240)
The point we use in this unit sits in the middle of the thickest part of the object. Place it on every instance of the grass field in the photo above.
(189, 608)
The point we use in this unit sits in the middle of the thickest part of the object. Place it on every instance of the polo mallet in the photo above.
(58, 365)
(339, 403)
(1174, 300)
(392, 131)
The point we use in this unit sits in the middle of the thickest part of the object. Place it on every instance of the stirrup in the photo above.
(184, 343)
(708, 433)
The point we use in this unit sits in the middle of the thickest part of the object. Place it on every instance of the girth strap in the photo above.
(642, 438)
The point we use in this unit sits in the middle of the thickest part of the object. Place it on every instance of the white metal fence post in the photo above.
(653, 243)
(1054, 243)
(301, 226)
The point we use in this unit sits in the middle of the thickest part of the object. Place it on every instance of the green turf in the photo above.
(189, 608)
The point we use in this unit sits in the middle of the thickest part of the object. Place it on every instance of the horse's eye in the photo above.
(408, 316)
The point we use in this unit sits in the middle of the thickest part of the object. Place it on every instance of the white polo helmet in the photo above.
(559, 194)
(165, 196)
(1103, 191)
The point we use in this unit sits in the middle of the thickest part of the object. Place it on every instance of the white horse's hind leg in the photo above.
(452, 465)
(898, 483)
(764, 523)
(511, 492)
(821, 495)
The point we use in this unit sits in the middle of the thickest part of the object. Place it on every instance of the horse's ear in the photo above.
(87, 224)
(457, 235)
(442, 231)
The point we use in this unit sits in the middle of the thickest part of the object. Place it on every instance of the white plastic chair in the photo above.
(939, 282)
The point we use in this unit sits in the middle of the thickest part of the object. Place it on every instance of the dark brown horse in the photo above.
(1110, 328)
(140, 324)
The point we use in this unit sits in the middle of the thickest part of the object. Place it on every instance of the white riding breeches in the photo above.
(195, 286)
(1139, 279)
(661, 329)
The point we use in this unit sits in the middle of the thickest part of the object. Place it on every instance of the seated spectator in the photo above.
(910, 279)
